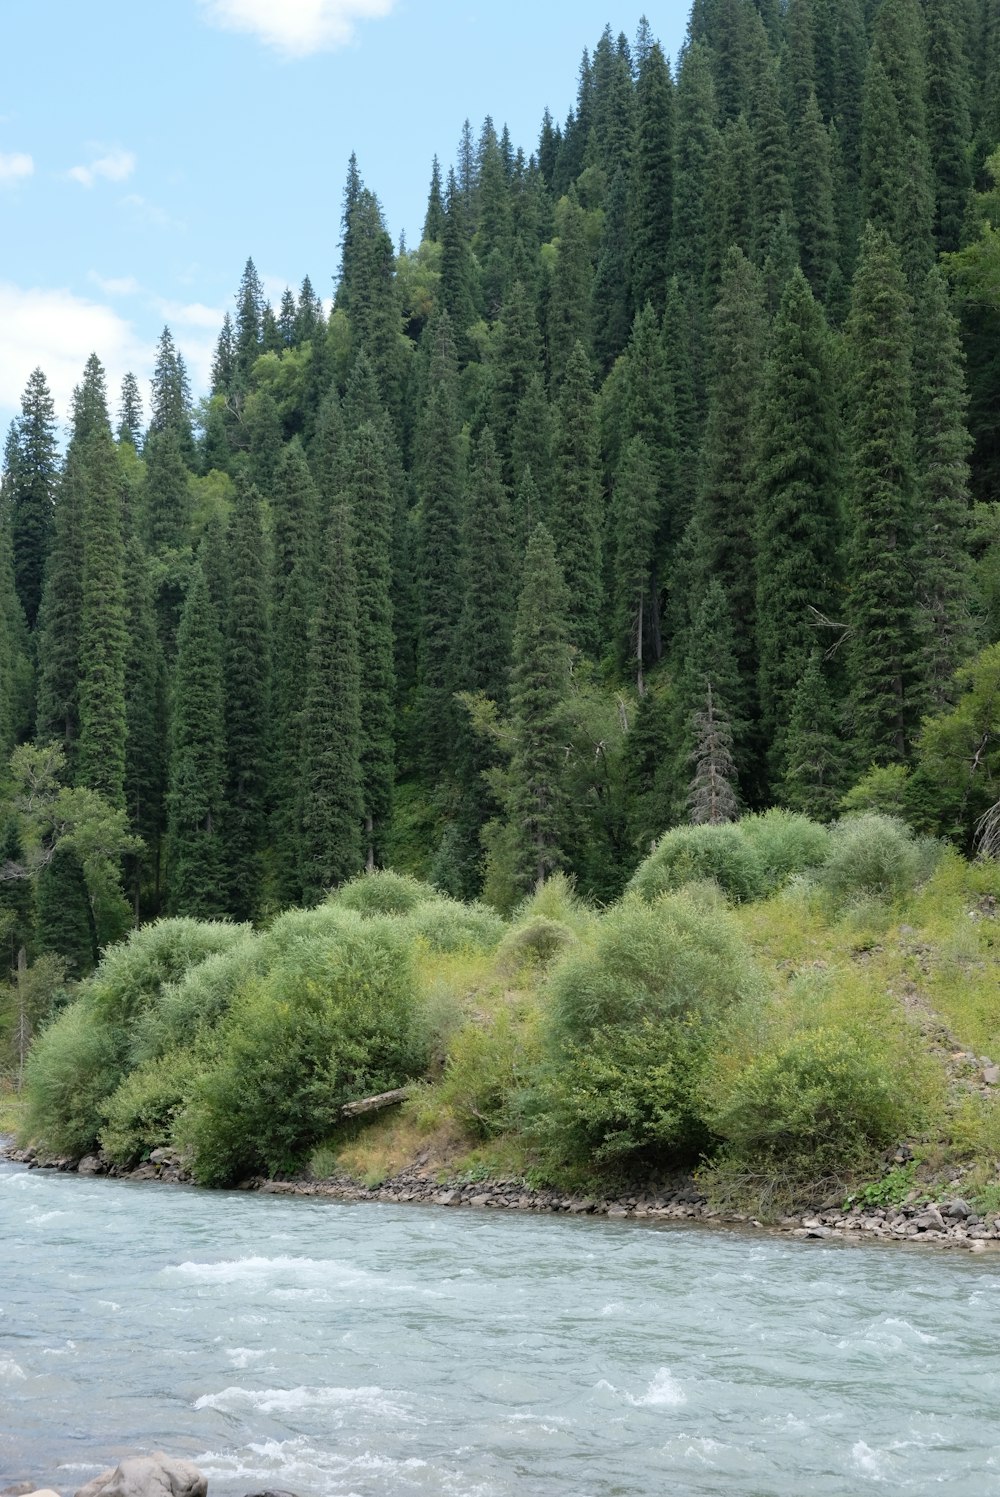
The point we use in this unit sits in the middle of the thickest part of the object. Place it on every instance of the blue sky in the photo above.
(148, 146)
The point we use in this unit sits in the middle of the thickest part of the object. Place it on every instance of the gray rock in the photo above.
(20, 1489)
(957, 1209)
(929, 1220)
(156, 1475)
(991, 1075)
(89, 1165)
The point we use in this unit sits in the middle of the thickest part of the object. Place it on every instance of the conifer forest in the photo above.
(658, 484)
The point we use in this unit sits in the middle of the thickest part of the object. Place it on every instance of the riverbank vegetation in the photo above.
(784, 1040)
(621, 566)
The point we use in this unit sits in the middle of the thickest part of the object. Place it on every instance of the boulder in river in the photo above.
(155, 1475)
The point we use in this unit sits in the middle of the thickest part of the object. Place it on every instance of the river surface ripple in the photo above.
(374, 1349)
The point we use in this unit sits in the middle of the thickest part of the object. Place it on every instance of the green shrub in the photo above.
(785, 844)
(191, 1007)
(140, 1114)
(689, 853)
(821, 1100)
(876, 857)
(384, 893)
(534, 943)
(556, 900)
(74, 1066)
(132, 973)
(632, 1016)
(446, 925)
(489, 1065)
(335, 1019)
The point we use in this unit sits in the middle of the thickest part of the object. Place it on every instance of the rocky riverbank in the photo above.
(950, 1223)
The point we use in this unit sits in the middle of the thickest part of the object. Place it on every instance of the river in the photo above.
(373, 1349)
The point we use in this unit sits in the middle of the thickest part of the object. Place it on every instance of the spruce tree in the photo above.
(332, 806)
(611, 302)
(515, 356)
(103, 640)
(434, 217)
(532, 440)
(197, 762)
(370, 509)
(652, 180)
(880, 604)
(31, 487)
(145, 725)
(247, 705)
(772, 195)
(948, 122)
(130, 413)
(248, 326)
(712, 798)
(64, 921)
(634, 516)
(709, 666)
(814, 206)
(814, 755)
(369, 295)
(798, 520)
(569, 310)
(695, 145)
(940, 542)
(17, 899)
(170, 397)
(575, 514)
(294, 542)
(440, 486)
(539, 683)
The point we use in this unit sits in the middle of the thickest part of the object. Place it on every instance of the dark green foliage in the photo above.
(799, 521)
(575, 514)
(370, 506)
(197, 762)
(652, 179)
(772, 195)
(515, 359)
(30, 483)
(145, 721)
(17, 897)
(331, 725)
(814, 198)
(695, 143)
(64, 922)
(130, 413)
(940, 541)
(611, 302)
(634, 517)
(103, 642)
(813, 752)
(948, 123)
(246, 684)
(171, 397)
(248, 329)
(486, 623)
(538, 685)
(880, 602)
(569, 310)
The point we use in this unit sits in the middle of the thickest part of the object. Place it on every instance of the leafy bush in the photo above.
(785, 844)
(534, 943)
(74, 1066)
(131, 974)
(334, 1020)
(875, 856)
(557, 900)
(489, 1065)
(631, 1023)
(689, 853)
(822, 1100)
(140, 1114)
(191, 1007)
(447, 925)
(384, 893)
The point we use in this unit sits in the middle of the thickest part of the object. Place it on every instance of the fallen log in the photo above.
(374, 1104)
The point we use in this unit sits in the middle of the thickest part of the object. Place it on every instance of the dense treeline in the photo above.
(657, 484)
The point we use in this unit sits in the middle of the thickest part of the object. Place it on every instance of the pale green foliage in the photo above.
(140, 1114)
(785, 843)
(874, 856)
(448, 925)
(383, 893)
(690, 853)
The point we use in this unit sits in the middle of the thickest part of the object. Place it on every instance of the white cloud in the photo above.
(57, 330)
(296, 28)
(113, 166)
(116, 285)
(150, 213)
(14, 167)
(190, 314)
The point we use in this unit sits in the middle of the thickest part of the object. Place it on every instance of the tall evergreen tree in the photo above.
(103, 641)
(814, 756)
(130, 413)
(569, 311)
(575, 514)
(880, 604)
(64, 921)
(370, 507)
(246, 703)
(941, 563)
(332, 807)
(695, 145)
(32, 474)
(197, 762)
(611, 302)
(814, 205)
(652, 180)
(798, 524)
(539, 683)
(948, 121)
(145, 725)
(635, 513)
(248, 329)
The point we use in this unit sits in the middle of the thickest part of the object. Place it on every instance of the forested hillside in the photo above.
(657, 484)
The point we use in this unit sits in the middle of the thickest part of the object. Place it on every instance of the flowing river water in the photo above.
(375, 1349)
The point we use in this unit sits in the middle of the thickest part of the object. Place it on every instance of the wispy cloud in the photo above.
(114, 166)
(57, 330)
(14, 167)
(150, 213)
(115, 285)
(296, 28)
